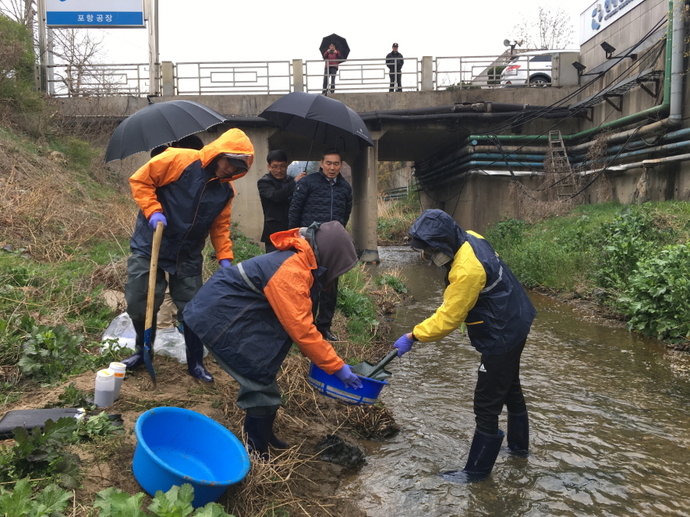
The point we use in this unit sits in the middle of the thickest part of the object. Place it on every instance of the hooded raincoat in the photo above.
(251, 313)
(482, 292)
(180, 184)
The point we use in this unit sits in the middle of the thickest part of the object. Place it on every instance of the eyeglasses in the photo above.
(278, 167)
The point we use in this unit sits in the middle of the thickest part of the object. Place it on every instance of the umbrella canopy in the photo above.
(340, 44)
(323, 119)
(158, 124)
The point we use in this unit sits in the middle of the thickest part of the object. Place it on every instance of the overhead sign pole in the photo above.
(42, 48)
(154, 61)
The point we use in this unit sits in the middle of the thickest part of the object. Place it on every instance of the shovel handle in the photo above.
(153, 273)
(382, 364)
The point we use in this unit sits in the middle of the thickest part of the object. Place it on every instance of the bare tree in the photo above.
(552, 29)
(22, 11)
(74, 51)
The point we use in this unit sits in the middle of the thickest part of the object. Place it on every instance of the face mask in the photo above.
(432, 256)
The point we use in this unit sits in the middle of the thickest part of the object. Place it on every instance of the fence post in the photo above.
(297, 75)
(168, 73)
(427, 73)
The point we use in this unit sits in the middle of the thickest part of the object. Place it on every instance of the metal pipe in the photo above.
(672, 67)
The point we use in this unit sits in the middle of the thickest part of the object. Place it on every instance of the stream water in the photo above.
(609, 417)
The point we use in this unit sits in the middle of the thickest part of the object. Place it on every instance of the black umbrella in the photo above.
(323, 119)
(158, 124)
(340, 44)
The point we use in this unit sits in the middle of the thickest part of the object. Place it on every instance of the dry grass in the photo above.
(49, 212)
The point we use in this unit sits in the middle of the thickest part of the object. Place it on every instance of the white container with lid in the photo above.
(104, 394)
(119, 370)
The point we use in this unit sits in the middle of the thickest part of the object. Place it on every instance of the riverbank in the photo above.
(63, 247)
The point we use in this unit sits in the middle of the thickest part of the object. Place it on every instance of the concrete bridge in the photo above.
(409, 126)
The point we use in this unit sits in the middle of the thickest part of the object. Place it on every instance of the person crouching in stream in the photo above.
(248, 315)
(483, 293)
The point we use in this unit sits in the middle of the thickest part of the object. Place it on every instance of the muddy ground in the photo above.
(297, 481)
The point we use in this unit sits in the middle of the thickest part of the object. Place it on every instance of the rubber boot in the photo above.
(135, 360)
(518, 434)
(259, 429)
(195, 356)
(483, 453)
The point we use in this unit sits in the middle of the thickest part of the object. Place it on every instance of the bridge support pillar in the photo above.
(365, 205)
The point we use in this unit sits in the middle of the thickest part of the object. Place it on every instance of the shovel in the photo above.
(153, 270)
(375, 371)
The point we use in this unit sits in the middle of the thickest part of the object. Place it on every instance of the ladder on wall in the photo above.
(560, 164)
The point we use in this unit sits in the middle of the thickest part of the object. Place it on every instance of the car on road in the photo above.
(531, 68)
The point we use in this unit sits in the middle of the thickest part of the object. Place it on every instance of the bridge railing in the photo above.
(465, 72)
(362, 75)
(236, 78)
(273, 77)
(98, 80)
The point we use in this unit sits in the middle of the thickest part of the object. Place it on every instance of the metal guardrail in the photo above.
(98, 80)
(237, 78)
(362, 75)
(276, 77)
(466, 72)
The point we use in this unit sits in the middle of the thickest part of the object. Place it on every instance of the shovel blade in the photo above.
(364, 368)
(147, 355)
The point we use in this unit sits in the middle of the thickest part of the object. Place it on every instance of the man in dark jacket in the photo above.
(275, 191)
(248, 316)
(321, 197)
(394, 62)
(190, 192)
(484, 294)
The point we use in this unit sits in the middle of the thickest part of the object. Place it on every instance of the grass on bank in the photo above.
(630, 258)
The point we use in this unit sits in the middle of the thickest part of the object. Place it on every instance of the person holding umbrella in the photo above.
(332, 58)
(250, 314)
(321, 197)
(484, 294)
(394, 62)
(190, 192)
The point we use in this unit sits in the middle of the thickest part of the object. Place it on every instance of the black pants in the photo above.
(498, 384)
(331, 72)
(396, 81)
(324, 309)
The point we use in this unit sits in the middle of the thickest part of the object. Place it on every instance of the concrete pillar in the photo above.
(427, 73)
(297, 75)
(168, 79)
(365, 206)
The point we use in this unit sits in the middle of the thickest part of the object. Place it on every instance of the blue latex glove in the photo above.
(155, 217)
(403, 344)
(225, 262)
(349, 379)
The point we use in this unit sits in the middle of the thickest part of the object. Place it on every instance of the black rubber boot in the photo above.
(136, 360)
(259, 429)
(195, 356)
(483, 453)
(518, 434)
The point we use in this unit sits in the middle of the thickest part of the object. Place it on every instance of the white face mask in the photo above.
(438, 258)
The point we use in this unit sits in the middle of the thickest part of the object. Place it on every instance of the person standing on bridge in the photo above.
(332, 58)
(190, 191)
(394, 62)
(275, 191)
(483, 294)
(322, 197)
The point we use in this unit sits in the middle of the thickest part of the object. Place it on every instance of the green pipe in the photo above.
(624, 121)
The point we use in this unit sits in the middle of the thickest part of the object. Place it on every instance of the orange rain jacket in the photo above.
(251, 313)
(180, 184)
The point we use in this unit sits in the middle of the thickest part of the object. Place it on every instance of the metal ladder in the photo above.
(561, 164)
